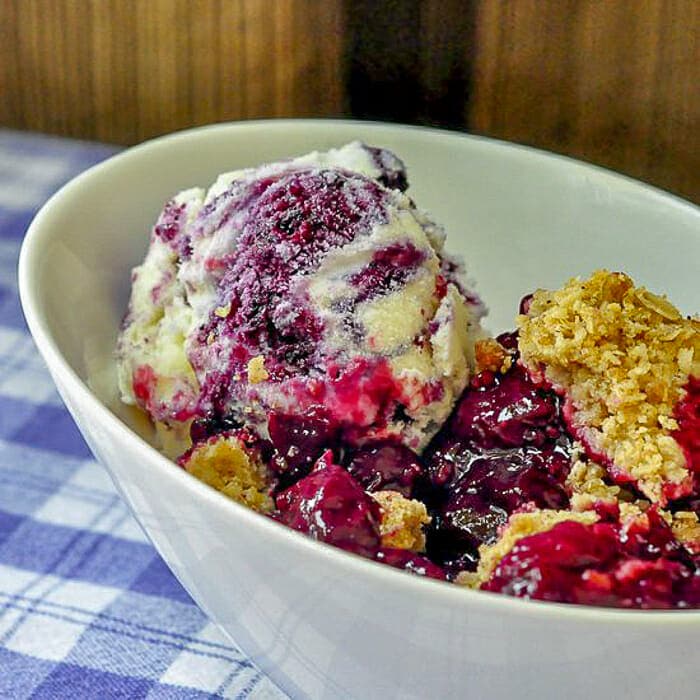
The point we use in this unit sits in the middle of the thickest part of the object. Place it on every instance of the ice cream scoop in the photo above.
(310, 285)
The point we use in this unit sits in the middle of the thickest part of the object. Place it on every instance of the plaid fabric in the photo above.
(87, 607)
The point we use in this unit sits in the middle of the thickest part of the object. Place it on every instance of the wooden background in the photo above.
(615, 82)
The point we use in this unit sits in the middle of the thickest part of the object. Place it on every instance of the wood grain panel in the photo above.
(126, 70)
(616, 83)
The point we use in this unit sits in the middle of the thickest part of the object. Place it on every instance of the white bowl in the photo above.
(321, 622)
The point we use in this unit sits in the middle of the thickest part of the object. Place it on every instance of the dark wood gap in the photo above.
(408, 61)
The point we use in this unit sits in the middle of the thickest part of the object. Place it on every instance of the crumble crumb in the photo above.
(490, 355)
(686, 529)
(402, 521)
(519, 525)
(622, 356)
(256, 370)
(630, 511)
(225, 464)
(684, 524)
(586, 483)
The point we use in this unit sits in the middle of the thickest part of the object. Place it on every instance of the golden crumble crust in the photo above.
(686, 529)
(224, 463)
(490, 355)
(622, 356)
(402, 521)
(586, 483)
(519, 525)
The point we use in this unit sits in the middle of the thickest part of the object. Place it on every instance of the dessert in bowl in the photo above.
(319, 620)
(300, 330)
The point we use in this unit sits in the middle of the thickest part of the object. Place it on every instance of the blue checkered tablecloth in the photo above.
(87, 607)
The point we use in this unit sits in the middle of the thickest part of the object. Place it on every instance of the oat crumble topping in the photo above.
(490, 355)
(621, 355)
(225, 464)
(403, 520)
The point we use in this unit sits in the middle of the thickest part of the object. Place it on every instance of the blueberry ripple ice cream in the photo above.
(307, 287)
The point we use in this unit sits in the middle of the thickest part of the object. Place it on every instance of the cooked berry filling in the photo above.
(506, 411)
(329, 505)
(503, 448)
(386, 466)
(506, 448)
(203, 428)
(299, 441)
(410, 561)
(492, 487)
(688, 416)
(642, 566)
